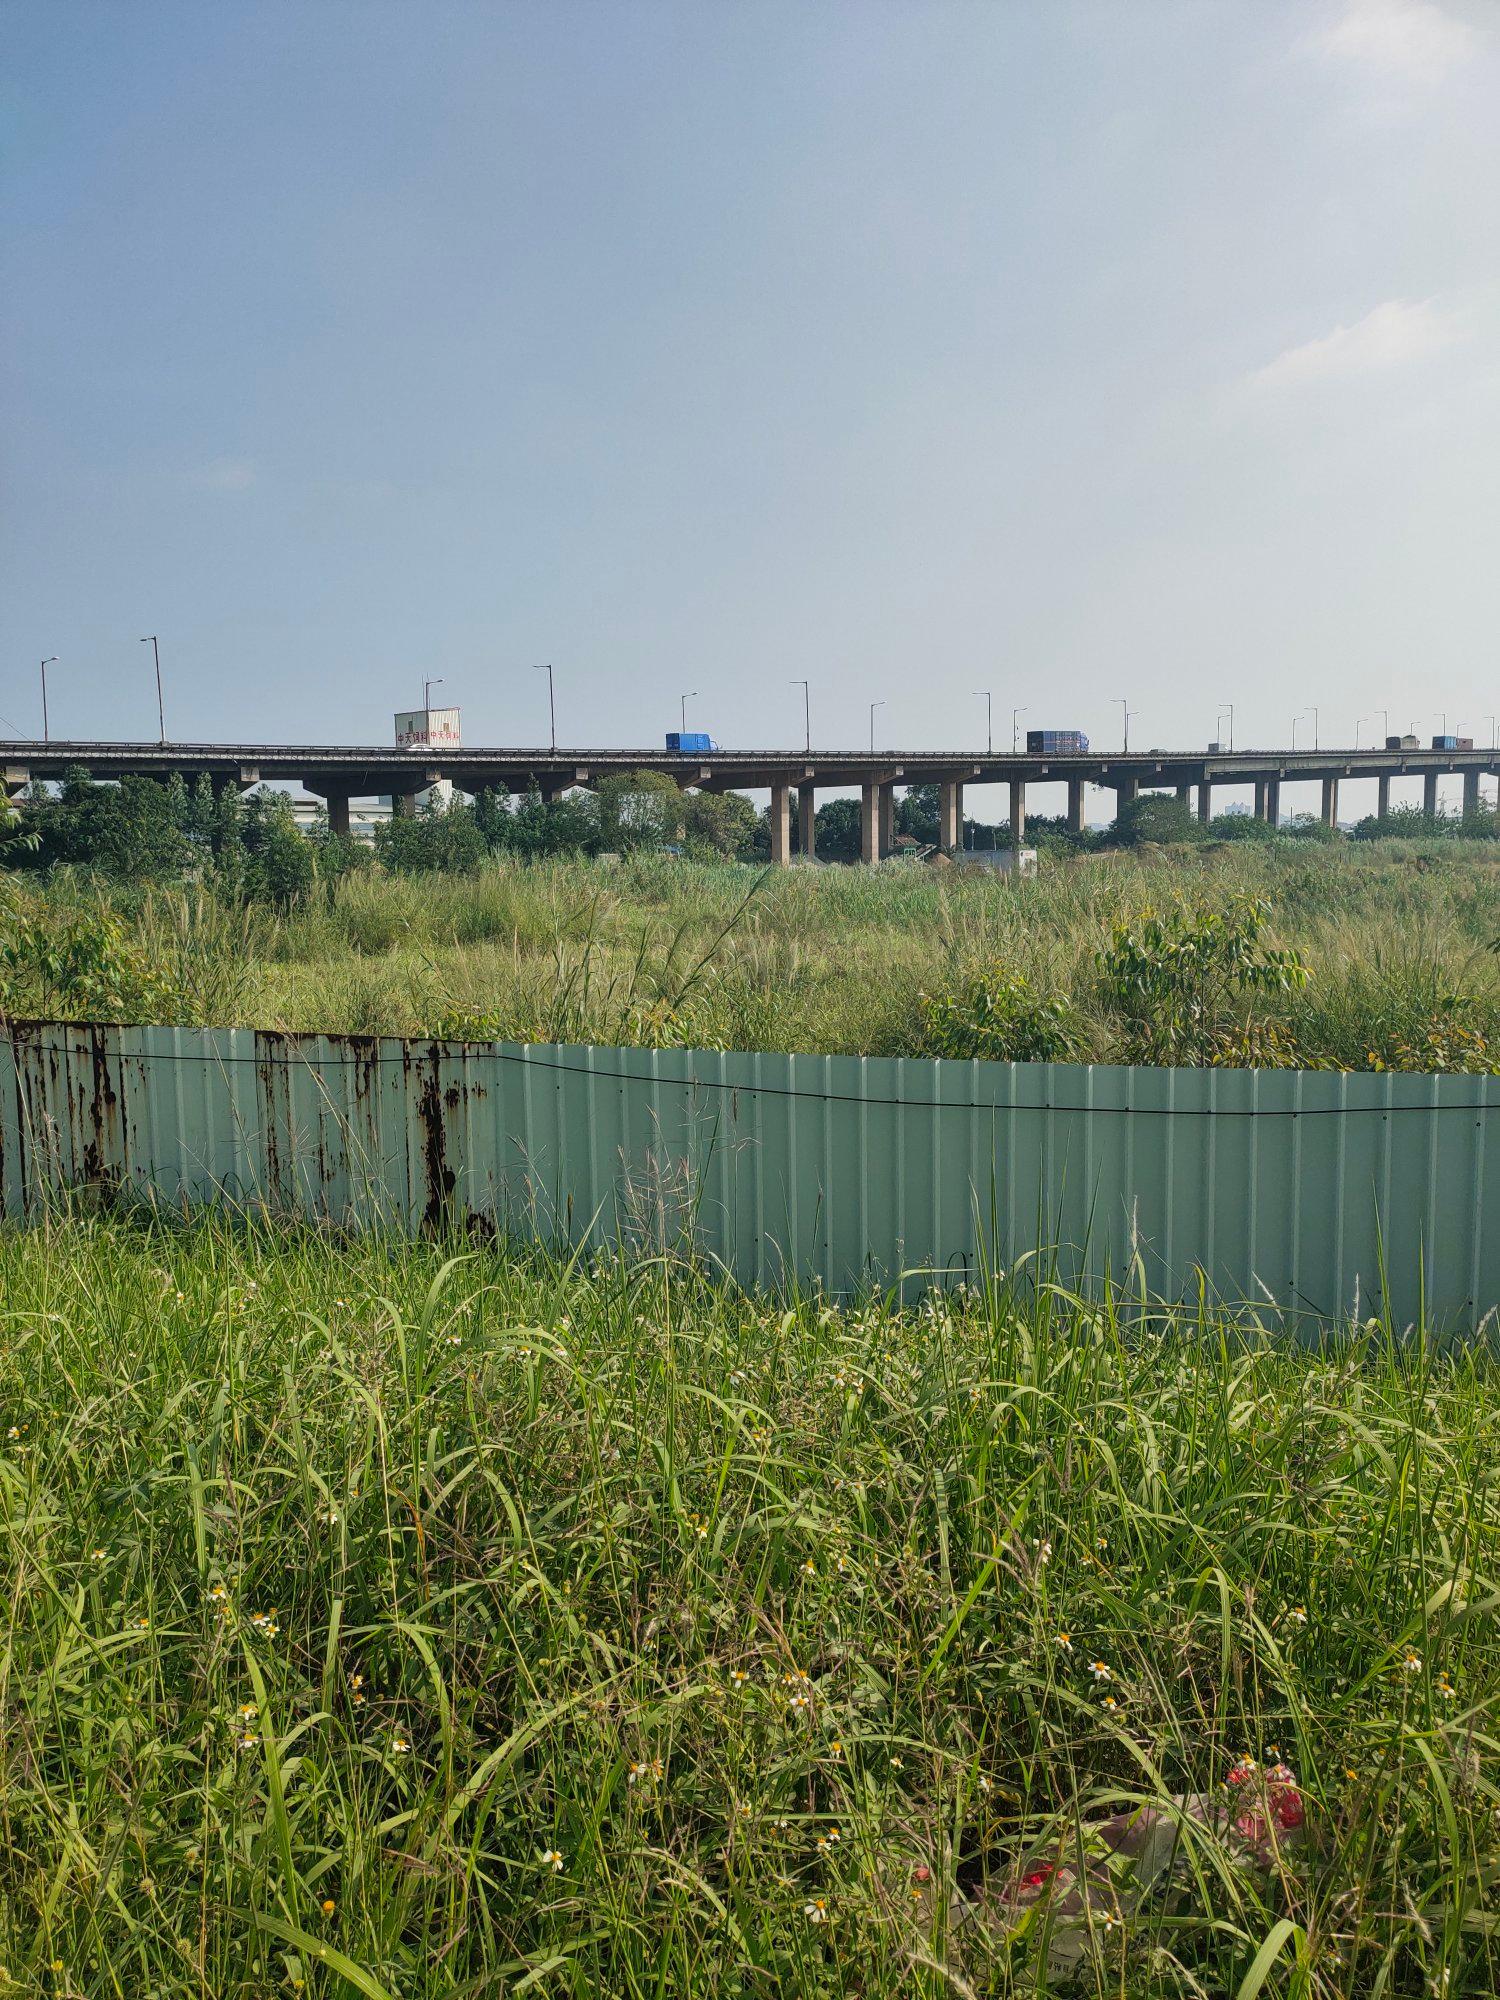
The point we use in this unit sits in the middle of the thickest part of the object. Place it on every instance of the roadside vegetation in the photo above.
(1349, 955)
(390, 1626)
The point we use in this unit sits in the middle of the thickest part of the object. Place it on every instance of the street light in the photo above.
(692, 695)
(427, 687)
(1126, 713)
(989, 720)
(1491, 721)
(806, 711)
(1228, 709)
(1314, 714)
(1015, 740)
(1295, 720)
(551, 701)
(1359, 723)
(161, 721)
(873, 706)
(50, 661)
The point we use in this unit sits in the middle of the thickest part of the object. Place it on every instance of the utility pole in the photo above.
(989, 720)
(551, 701)
(1015, 739)
(161, 720)
(873, 706)
(806, 711)
(691, 696)
(50, 661)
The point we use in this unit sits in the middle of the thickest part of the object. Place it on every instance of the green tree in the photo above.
(1177, 982)
(1156, 816)
(717, 823)
(837, 826)
(636, 811)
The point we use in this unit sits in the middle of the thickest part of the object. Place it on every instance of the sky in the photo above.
(1076, 352)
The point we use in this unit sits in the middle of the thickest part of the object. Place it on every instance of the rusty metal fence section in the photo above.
(1320, 1193)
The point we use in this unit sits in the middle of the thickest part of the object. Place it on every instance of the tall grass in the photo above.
(390, 1626)
(827, 960)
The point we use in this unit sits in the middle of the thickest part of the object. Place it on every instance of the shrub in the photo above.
(1176, 983)
(995, 1016)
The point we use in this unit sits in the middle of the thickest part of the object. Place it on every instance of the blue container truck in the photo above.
(1445, 742)
(690, 742)
(1056, 742)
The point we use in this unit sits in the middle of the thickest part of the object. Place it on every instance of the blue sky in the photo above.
(1072, 351)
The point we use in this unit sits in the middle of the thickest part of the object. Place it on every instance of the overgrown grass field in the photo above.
(379, 1624)
(1398, 939)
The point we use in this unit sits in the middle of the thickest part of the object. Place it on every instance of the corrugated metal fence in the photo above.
(1295, 1186)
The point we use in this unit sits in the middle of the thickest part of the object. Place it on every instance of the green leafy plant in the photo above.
(995, 1016)
(1177, 982)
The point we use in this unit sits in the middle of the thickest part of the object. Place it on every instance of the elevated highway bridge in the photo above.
(341, 772)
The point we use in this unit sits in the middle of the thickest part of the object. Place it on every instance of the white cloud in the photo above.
(1413, 39)
(1393, 334)
(225, 475)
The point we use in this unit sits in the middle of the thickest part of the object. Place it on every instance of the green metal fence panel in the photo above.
(1318, 1193)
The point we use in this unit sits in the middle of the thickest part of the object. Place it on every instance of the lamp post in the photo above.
(1491, 721)
(427, 687)
(1126, 712)
(806, 711)
(1359, 723)
(1385, 722)
(50, 661)
(1228, 709)
(691, 695)
(161, 720)
(551, 701)
(1015, 739)
(873, 706)
(989, 720)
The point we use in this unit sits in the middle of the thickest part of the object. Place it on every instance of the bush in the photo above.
(996, 1017)
(1176, 983)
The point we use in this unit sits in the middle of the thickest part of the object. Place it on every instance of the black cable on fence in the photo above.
(471, 1052)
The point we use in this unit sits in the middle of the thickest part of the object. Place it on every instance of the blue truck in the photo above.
(690, 743)
(1056, 743)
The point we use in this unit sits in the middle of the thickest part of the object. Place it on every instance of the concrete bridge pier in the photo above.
(781, 825)
(869, 822)
(1471, 794)
(807, 822)
(1383, 796)
(1075, 805)
(887, 820)
(1262, 797)
(404, 805)
(1273, 801)
(1184, 793)
(1205, 803)
(1429, 794)
(338, 814)
(1017, 812)
(950, 816)
(1330, 802)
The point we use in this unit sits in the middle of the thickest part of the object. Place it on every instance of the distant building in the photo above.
(430, 729)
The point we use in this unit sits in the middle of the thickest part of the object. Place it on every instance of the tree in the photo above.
(1156, 816)
(717, 823)
(636, 811)
(440, 838)
(837, 826)
(278, 856)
